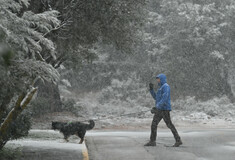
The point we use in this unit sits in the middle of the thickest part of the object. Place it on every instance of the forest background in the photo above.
(96, 58)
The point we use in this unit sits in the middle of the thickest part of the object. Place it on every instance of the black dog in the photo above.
(73, 128)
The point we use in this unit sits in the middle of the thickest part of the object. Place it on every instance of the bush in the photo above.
(214, 107)
(39, 106)
(18, 128)
(10, 153)
(68, 105)
(21, 125)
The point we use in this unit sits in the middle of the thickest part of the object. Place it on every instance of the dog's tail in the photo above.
(90, 125)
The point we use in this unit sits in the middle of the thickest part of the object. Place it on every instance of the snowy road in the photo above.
(209, 144)
(198, 145)
(49, 145)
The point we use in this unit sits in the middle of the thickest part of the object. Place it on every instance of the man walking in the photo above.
(162, 111)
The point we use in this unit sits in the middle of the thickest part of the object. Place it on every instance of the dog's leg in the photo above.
(81, 135)
(66, 137)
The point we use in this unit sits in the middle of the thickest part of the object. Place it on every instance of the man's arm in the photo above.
(153, 94)
(152, 91)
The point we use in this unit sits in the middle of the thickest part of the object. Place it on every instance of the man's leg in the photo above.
(170, 125)
(156, 119)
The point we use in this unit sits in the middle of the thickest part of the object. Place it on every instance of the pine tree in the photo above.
(24, 54)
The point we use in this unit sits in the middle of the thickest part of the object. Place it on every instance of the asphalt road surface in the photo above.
(216, 144)
(209, 144)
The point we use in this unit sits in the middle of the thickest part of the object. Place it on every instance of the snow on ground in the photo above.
(48, 145)
(217, 112)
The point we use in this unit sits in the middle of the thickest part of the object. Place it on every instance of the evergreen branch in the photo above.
(39, 56)
(53, 29)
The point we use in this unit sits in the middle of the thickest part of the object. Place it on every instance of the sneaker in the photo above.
(177, 143)
(150, 143)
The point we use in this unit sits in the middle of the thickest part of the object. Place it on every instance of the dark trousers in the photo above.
(158, 116)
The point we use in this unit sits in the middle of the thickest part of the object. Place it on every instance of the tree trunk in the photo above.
(20, 105)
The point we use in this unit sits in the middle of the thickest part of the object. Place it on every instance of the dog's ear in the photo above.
(91, 121)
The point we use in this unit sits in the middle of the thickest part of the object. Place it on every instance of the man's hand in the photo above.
(150, 86)
(153, 110)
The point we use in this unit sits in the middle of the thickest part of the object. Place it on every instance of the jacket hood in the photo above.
(162, 78)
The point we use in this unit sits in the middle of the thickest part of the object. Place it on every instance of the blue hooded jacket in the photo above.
(162, 97)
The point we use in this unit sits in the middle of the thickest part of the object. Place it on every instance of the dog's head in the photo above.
(56, 125)
(91, 125)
